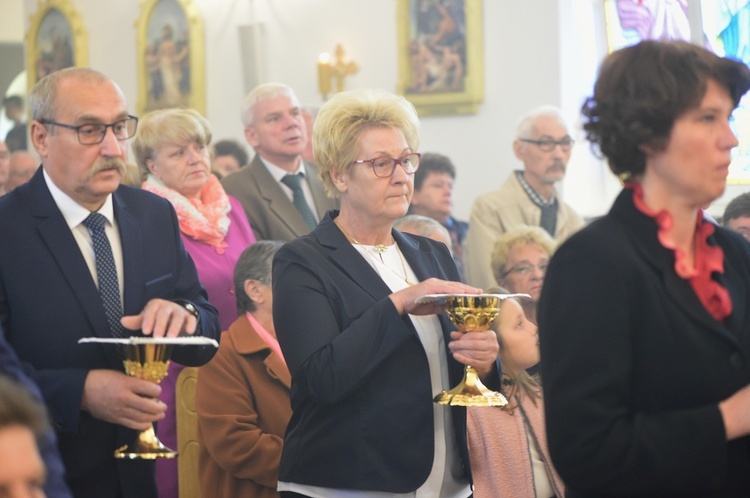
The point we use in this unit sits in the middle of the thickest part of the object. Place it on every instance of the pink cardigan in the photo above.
(500, 454)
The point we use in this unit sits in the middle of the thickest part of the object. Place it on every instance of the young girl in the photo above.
(508, 445)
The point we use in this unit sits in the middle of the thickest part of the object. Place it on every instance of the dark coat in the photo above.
(361, 393)
(634, 366)
(48, 300)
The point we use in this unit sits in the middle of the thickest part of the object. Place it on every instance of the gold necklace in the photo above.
(380, 249)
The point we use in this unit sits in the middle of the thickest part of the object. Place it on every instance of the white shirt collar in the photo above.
(279, 173)
(73, 212)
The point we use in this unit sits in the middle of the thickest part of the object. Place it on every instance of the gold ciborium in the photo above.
(147, 358)
(470, 313)
(147, 361)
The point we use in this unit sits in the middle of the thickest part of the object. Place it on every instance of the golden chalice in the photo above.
(147, 358)
(147, 361)
(472, 313)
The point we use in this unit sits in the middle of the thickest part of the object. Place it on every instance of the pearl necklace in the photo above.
(380, 249)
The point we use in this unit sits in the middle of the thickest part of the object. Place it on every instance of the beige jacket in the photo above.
(497, 212)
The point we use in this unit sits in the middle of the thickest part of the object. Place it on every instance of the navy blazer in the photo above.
(634, 366)
(361, 392)
(48, 300)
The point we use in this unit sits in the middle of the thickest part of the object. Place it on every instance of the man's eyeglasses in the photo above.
(548, 145)
(525, 269)
(384, 167)
(94, 133)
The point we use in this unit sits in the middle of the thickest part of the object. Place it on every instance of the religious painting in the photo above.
(170, 56)
(441, 67)
(55, 40)
(630, 21)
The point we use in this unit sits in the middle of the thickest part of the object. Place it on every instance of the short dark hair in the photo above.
(642, 89)
(13, 100)
(254, 264)
(19, 407)
(432, 162)
(232, 148)
(737, 208)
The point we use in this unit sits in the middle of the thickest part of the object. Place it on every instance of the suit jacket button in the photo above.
(735, 359)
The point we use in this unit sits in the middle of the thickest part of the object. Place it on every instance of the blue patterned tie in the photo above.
(106, 272)
(294, 182)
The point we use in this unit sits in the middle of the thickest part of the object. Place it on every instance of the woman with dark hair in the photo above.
(644, 322)
(242, 395)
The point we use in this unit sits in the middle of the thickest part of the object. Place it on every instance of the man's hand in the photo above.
(162, 318)
(117, 398)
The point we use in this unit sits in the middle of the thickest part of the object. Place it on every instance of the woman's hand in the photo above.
(735, 411)
(404, 299)
(477, 349)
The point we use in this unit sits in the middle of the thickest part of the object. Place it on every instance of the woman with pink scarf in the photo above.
(172, 149)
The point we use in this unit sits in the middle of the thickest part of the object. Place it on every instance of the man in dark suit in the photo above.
(278, 209)
(57, 286)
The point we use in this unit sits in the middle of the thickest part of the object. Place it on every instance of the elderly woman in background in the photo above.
(508, 445)
(172, 150)
(366, 359)
(645, 313)
(242, 395)
(426, 227)
(519, 262)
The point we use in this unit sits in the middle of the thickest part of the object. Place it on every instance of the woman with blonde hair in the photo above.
(172, 151)
(519, 263)
(366, 358)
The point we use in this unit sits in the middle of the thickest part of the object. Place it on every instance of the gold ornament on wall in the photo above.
(333, 72)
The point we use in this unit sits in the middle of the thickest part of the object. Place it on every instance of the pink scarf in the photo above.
(272, 342)
(204, 219)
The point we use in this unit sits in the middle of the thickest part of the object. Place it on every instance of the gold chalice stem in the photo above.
(472, 314)
(148, 362)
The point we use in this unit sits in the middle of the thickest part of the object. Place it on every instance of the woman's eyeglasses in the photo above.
(384, 167)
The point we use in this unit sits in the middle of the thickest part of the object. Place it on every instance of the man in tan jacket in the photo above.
(527, 197)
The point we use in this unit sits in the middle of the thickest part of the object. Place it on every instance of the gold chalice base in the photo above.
(148, 362)
(471, 313)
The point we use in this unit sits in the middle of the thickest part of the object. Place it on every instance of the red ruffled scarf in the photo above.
(708, 259)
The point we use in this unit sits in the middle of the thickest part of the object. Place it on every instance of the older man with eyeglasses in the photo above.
(84, 256)
(527, 197)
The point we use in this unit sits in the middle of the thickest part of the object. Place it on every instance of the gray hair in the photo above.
(525, 127)
(254, 264)
(43, 96)
(266, 91)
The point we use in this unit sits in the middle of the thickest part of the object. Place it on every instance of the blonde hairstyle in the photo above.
(342, 120)
(168, 126)
(523, 383)
(266, 91)
(518, 237)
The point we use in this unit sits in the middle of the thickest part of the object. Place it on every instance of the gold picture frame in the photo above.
(171, 57)
(56, 39)
(441, 55)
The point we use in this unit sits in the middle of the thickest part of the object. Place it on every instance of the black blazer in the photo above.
(48, 300)
(361, 393)
(634, 366)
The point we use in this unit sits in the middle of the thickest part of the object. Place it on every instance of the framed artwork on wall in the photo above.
(56, 39)
(440, 55)
(170, 58)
